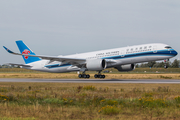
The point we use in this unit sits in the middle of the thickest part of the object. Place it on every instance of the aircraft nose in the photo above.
(174, 52)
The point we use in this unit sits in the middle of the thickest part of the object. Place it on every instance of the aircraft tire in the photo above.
(95, 76)
(87, 76)
(84, 76)
(165, 66)
(80, 76)
(103, 76)
(100, 76)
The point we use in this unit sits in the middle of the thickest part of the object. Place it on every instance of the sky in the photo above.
(63, 27)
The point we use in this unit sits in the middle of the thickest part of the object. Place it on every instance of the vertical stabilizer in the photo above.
(24, 49)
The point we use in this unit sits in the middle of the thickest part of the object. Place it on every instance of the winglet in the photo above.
(8, 50)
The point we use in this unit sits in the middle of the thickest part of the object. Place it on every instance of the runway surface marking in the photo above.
(91, 80)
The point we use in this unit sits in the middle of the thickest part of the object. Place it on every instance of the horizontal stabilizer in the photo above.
(24, 65)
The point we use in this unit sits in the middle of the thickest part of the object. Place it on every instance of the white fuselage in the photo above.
(120, 56)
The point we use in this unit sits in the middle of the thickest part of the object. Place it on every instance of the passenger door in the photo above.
(154, 49)
(123, 52)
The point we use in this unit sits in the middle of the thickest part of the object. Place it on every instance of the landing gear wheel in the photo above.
(80, 76)
(84, 76)
(103, 76)
(165, 66)
(96, 76)
(87, 76)
(99, 76)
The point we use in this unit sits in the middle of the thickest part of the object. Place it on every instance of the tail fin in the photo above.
(25, 50)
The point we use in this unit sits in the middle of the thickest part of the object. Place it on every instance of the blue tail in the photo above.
(25, 50)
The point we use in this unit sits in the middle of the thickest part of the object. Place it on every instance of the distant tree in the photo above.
(137, 65)
(156, 65)
(6, 66)
(168, 63)
(161, 64)
(151, 64)
(175, 64)
(143, 65)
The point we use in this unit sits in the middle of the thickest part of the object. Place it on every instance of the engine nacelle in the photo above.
(96, 64)
(125, 68)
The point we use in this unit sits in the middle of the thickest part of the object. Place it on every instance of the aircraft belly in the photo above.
(138, 60)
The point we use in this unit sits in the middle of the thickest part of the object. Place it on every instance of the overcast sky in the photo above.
(62, 27)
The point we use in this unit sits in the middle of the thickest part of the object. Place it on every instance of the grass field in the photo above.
(114, 71)
(75, 76)
(137, 74)
(39, 101)
(98, 101)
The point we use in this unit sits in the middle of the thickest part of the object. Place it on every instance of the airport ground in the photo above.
(139, 73)
(99, 101)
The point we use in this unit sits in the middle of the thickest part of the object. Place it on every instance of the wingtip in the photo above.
(4, 47)
(7, 49)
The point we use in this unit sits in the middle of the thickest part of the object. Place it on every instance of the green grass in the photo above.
(10, 118)
(89, 101)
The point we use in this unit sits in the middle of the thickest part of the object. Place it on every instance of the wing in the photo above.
(52, 58)
(64, 60)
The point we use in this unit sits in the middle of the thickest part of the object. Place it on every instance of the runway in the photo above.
(162, 81)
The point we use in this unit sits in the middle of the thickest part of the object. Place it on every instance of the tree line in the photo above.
(154, 64)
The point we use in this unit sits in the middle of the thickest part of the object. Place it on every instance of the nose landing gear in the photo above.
(165, 65)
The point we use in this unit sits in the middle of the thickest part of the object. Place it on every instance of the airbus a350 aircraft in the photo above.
(123, 59)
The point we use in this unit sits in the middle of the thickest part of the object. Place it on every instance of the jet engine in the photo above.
(125, 68)
(96, 64)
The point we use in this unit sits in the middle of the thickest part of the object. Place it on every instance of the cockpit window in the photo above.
(168, 47)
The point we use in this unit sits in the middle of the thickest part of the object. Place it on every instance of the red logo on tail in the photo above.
(26, 52)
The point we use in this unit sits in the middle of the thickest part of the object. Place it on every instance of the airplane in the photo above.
(122, 59)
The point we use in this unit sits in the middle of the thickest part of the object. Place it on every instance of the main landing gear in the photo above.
(99, 75)
(83, 75)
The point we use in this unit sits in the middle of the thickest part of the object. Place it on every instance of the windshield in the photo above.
(168, 47)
